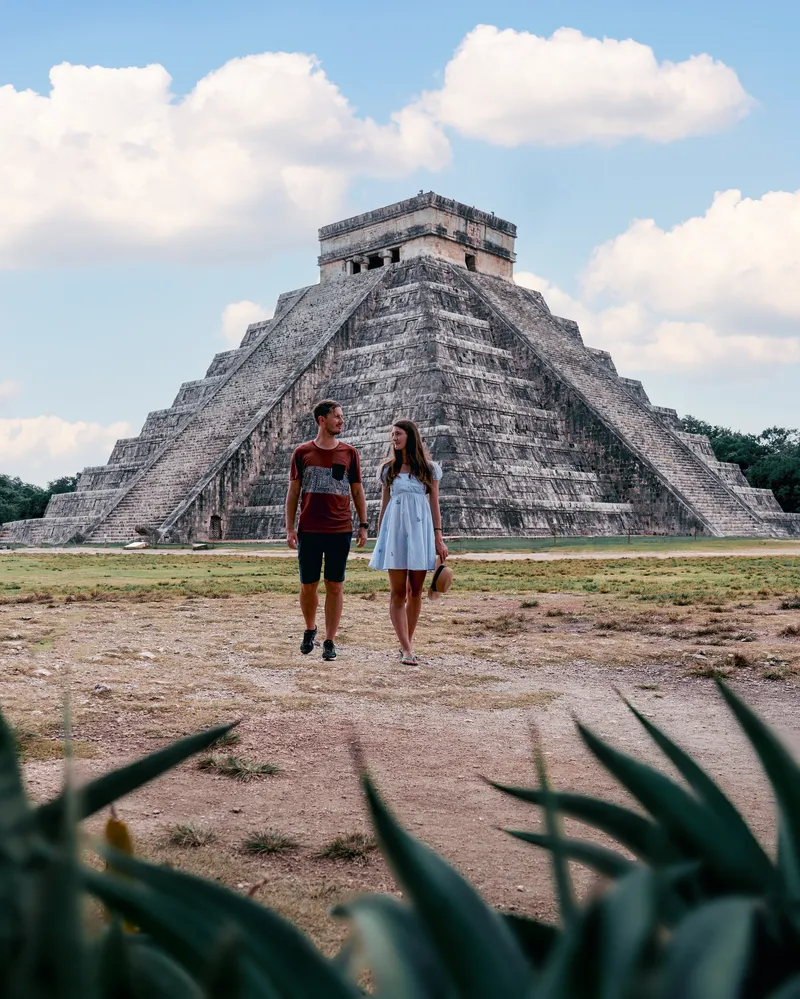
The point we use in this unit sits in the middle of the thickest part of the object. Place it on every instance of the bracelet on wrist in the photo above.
(437, 529)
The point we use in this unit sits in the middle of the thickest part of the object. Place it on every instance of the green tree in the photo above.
(23, 501)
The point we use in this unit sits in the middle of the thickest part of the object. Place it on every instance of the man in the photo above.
(325, 472)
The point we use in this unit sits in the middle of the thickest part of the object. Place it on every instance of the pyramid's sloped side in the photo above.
(422, 352)
(99, 486)
(221, 424)
(291, 365)
(179, 447)
(595, 396)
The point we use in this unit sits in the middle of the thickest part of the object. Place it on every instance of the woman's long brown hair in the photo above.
(417, 457)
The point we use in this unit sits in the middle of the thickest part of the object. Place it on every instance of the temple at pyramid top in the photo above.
(425, 226)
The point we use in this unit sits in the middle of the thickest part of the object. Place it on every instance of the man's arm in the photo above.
(360, 500)
(292, 499)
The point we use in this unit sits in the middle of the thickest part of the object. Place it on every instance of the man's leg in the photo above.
(309, 601)
(334, 597)
(309, 557)
(398, 580)
(414, 588)
(337, 548)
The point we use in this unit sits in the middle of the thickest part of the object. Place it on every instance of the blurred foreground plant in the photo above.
(702, 911)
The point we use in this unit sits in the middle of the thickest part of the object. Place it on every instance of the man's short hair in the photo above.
(323, 407)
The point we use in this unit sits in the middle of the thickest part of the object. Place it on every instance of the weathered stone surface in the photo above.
(536, 432)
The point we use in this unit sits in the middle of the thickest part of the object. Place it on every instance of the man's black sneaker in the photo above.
(307, 645)
(328, 649)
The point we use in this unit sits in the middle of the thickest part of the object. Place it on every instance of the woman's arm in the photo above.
(385, 496)
(436, 513)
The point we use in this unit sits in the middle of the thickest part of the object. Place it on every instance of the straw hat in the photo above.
(441, 580)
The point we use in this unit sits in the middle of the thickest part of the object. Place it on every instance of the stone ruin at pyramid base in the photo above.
(417, 315)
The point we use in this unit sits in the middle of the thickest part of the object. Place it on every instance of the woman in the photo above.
(409, 529)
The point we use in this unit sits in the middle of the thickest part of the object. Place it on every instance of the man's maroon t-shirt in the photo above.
(325, 479)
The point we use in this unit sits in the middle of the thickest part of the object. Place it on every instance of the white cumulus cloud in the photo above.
(41, 448)
(720, 291)
(641, 339)
(513, 87)
(237, 316)
(110, 163)
(738, 263)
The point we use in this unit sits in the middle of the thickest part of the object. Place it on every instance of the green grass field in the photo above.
(140, 576)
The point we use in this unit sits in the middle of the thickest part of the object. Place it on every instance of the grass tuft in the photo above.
(773, 673)
(790, 631)
(525, 604)
(268, 841)
(231, 738)
(236, 767)
(351, 846)
(737, 659)
(187, 835)
(791, 603)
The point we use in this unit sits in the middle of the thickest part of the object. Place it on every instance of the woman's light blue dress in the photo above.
(406, 539)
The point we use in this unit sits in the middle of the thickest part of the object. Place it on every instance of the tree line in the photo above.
(769, 460)
(22, 501)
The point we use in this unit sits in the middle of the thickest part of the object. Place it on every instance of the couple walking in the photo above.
(325, 473)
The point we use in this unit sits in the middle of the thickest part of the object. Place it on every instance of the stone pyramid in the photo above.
(417, 315)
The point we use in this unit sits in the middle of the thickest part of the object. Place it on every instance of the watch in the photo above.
(365, 526)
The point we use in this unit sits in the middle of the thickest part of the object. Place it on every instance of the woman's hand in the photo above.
(441, 548)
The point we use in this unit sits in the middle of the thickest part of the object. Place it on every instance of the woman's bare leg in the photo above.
(397, 607)
(414, 588)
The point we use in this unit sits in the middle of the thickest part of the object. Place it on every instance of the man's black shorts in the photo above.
(312, 545)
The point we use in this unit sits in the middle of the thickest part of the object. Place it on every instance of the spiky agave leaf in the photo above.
(396, 948)
(14, 850)
(738, 836)
(784, 776)
(561, 872)
(188, 914)
(696, 829)
(103, 791)
(55, 960)
(607, 862)
(635, 832)
(709, 953)
(470, 939)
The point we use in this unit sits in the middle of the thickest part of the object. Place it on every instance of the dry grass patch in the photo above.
(34, 748)
(503, 625)
(350, 846)
(226, 740)
(489, 701)
(269, 841)
(709, 670)
(188, 835)
(237, 767)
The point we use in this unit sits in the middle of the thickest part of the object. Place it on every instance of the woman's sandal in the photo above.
(409, 659)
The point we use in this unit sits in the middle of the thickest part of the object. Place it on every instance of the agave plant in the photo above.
(719, 910)
(702, 911)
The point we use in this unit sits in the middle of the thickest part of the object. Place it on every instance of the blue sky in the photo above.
(109, 298)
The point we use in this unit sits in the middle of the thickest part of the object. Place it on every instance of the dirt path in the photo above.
(143, 673)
